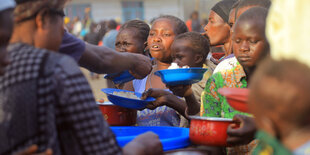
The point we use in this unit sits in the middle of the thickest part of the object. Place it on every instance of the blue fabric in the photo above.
(72, 46)
(161, 116)
(109, 39)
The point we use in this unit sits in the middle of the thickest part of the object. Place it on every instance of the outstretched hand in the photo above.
(181, 90)
(242, 132)
(145, 144)
(142, 66)
(160, 95)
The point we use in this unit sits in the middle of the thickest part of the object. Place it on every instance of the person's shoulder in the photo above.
(63, 62)
(226, 64)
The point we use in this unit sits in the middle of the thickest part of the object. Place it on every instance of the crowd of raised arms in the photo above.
(47, 106)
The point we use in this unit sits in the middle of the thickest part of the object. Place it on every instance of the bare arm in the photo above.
(102, 60)
(193, 106)
(164, 97)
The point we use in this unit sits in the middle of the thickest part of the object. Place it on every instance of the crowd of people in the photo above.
(47, 106)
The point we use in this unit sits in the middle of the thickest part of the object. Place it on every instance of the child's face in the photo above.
(160, 39)
(5, 35)
(249, 42)
(127, 40)
(217, 30)
(183, 54)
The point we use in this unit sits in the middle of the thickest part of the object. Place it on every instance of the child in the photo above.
(132, 37)
(250, 46)
(162, 33)
(279, 100)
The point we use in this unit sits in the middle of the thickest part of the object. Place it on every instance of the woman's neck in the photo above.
(162, 65)
(24, 33)
(227, 48)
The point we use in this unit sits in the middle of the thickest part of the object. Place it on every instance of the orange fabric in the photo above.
(189, 25)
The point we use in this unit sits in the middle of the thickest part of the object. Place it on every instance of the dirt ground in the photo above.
(96, 85)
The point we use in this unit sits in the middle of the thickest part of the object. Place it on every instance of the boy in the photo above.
(250, 46)
(279, 100)
(238, 8)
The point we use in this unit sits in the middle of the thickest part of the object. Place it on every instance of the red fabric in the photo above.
(189, 25)
(217, 55)
(118, 27)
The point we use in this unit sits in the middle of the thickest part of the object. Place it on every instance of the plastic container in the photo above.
(236, 97)
(122, 78)
(171, 137)
(210, 131)
(127, 102)
(181, 76)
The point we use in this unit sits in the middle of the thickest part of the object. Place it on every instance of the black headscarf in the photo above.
(222, 8)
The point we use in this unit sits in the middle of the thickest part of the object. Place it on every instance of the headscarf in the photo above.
(6, 4)
(222, 8)
(288, 31)
(26, 9)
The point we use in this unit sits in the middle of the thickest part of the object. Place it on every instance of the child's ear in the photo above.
(198, 58)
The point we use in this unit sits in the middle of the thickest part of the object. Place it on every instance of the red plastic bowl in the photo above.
(236, 98)
(118, 116)
(210, 131)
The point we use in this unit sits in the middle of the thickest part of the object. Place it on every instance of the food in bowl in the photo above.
(175, 66)
(130, 95)
(209, 131)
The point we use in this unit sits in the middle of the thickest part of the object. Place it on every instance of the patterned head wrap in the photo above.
(26, 9)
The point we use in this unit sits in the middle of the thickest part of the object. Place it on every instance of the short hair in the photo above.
(244, 3)
(199, 43)
(112, 24)
(180, 26)
(293, 99)
(142, 28)
(259, 16)
(262, 3)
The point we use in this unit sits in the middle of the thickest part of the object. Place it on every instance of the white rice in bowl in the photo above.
(130, 95)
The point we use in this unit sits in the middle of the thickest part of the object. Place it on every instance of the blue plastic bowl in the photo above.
(182, 76)
(126, 102)
(124, 77)
(171, 137)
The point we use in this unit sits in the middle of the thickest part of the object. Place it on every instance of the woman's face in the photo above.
(6, 29)
(217, 30)
(160, 39)
(49, 35)
(128, 40)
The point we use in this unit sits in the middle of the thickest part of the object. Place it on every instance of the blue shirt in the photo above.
(72, 46)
